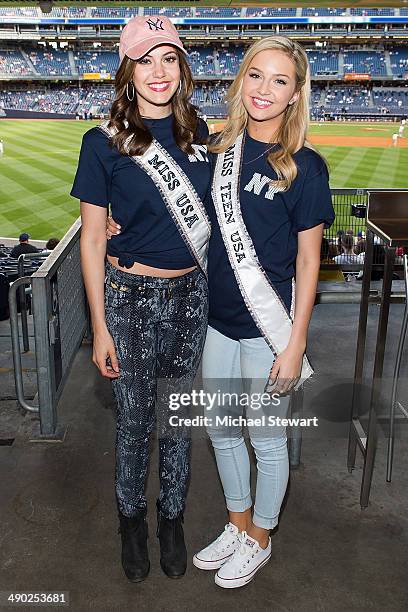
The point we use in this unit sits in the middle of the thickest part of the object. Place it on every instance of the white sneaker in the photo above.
(220, 551)
(244, 564)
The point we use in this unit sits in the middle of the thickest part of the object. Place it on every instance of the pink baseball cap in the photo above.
(141, 34)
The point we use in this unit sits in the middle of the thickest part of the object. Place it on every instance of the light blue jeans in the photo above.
(236, 367)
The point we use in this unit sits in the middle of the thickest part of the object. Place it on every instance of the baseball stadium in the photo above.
(341, 542)
(61, 65)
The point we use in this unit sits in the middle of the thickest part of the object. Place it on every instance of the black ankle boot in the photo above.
(173, 553)
(135, 556)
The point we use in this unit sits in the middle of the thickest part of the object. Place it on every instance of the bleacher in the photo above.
(205, 95)
(177, 11)
(323, 63)
(323, 12)
(210, 98)
(67, 12)
(13, 63)
(50, 62)
(202, 61)
(394, 100)
(29, 11)
(106, 12)
(261, 11)
(218, 12)
(366, 62)
(230, 60)
(96, 62)
(399, 62)
(372, 12)
(42, 100)
(345, 98)
(99, 98)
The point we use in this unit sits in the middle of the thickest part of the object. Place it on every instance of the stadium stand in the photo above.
(215, 52)
(324, 98)
(338, 96)
(50, 62)
(106, 11)
(67, 12)
(399, 62)
(366, 62)
(393, 100)
(372, 12)
(323, 63)
(229, 60)
(323, 12)
(270, 12)
(19, 12)
(13, 63)
(218, 12)
(202, 61)
(96, 62)
(169, 12)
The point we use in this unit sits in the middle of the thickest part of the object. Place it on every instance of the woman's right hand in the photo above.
(112, 228)
(104, 355)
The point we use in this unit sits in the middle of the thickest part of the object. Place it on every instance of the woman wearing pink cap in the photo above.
(271, 202)
(148, 301)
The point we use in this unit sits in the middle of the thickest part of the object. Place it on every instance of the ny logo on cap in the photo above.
(155, 25)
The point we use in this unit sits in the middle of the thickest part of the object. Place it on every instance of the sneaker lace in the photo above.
(244, 549)
(222, 539)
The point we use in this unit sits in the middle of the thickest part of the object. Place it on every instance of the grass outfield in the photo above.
(40, 157)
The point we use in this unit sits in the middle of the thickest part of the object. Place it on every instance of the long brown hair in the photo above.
(291, 135)
(185, 119)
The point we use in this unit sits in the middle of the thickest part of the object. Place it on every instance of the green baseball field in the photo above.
(40, 156)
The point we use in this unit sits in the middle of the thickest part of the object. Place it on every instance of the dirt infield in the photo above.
(357, 141)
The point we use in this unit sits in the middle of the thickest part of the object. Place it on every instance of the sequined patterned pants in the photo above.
(158, 326)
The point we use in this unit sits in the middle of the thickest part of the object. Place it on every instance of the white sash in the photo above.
(179, 195)
(262, 301)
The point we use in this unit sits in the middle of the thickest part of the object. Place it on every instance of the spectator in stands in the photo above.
(339, 235)
(51, 244)
(23, 247)
(348, 255)
(152, 326)
(327, 274)
(360, 247)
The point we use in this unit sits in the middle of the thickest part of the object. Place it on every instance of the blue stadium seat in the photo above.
(366, 62)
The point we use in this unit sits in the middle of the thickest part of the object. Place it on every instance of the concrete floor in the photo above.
(58, 529)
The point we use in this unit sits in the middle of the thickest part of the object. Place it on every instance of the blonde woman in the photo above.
(271, 201)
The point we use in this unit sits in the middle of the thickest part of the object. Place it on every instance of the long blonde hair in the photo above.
(291, 135)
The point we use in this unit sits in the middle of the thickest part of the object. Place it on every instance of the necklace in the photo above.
(261, 155)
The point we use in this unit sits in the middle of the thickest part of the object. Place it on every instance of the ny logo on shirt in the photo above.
(199, 155)
(155, 25)
(258, 182)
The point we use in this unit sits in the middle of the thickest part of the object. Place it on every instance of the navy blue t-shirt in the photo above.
(273, 224)
(148, 233)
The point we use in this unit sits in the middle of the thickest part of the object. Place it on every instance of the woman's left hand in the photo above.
(286, 370)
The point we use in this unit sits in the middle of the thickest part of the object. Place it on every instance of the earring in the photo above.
(179, 88)
(127, 91)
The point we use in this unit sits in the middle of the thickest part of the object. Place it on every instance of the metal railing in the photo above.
(60, 317)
